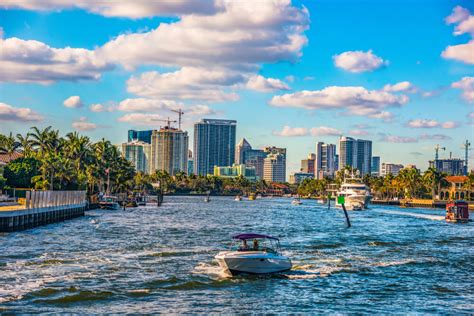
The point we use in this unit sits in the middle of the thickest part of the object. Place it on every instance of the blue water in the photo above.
(150, 260)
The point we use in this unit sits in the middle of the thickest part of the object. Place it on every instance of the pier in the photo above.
(41, 208)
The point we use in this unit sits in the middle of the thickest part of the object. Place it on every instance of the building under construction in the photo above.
(169, 150)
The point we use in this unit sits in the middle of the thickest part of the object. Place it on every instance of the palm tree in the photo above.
(25, 144)
(432, 179)
(8, 145)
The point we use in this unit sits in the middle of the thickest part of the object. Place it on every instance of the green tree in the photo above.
(19, 172)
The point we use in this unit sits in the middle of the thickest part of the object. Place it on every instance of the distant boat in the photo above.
(109, 202)
(238, 198)
(457, 212)
(296, 201)
(251, 197)
(356, 194)
(259, 196)
(207, 199)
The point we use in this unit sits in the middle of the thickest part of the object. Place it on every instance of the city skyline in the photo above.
(386, 84)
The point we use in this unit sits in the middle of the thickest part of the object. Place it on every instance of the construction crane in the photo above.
(168, 122)
(466, 146)
(437, 148)
(180, 113)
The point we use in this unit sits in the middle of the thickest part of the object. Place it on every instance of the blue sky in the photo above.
(291, 73)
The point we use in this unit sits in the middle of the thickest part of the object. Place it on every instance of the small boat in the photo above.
(262, 258)
(238, 198)
(207, 199)
(259, 196)
(252, 197)
(109, 202)
(457, 212)
(320, 201)
(296, 201)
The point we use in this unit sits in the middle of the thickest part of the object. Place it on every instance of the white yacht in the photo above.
(296, 201)
(262, 257)
(109, 202)
(356, 194)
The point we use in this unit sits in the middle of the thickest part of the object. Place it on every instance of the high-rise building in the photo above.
(390, 168)
(375, 171)
(299, 177)
(356, 153)
(452, 166)
(242, 147)
(307, 165)
(169, 150)
(236, 171)
(214, 145)
(190, 162)
(255, 158)
(274, 165)
(325, 162)
(144, 136)
(138, 153)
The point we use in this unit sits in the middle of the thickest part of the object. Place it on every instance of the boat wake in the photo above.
(425, 216)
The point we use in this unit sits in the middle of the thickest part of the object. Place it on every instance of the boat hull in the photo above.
(253, 262)
(356, 202)
(109, 206)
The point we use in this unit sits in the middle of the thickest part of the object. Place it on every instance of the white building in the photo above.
(325, 161)
(138, 153)
(390, 168)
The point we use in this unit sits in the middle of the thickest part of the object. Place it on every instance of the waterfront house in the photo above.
(457, 189)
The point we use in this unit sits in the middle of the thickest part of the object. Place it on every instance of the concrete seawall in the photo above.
(43, 207)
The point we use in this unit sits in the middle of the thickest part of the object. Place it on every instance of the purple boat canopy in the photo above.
(252, 236)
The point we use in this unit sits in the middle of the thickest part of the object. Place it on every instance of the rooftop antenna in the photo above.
(466, 146)
(180, 113)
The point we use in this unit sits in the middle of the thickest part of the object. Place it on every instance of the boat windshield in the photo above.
(257, 244)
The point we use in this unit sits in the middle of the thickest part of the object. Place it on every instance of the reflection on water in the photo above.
(151, 259)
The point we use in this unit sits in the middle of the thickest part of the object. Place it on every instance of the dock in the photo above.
(42, 208)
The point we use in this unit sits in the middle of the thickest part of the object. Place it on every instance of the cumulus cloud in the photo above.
(358, 132)
(241, 34)
(100, 108)
(465, 24)
(358, 61)
(404, 86)
(434, 137)
(262, 84)
(353, 100)
(424, 123)
(83, 125)
(145, 119)
(120, 8)
(398, 139)
(147, 105)
(73, 102)
(33, 61)
(288, 131)
(466, 84)
(325, 131)
(10, 113)
(188, 83)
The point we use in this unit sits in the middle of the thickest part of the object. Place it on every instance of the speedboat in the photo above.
(356, 194)
(109, 202)
(457, 212)
(238, 198)
(296, 201)
(262, 257)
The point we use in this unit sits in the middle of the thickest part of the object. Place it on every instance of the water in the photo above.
(150, 260)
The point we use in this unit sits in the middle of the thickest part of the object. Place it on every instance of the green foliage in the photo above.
(19, 172)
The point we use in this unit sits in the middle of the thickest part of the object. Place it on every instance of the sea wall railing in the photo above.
(42, 199)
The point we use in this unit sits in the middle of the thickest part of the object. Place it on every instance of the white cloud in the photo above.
(358, 132)
(188, 83)
(120, 8)
(466, 84)
(147, 105)
(262, 84)
(241, 34)
(398, 139)
(73, 102)
(404, 86)
(353, 100)
(199, 110)
(423, 123)
(100, 108)
(465, 24)
(358, 61)
(9, 113)
(462, 52)
(145, 119)
(325, 131)
(288, 131)
(33, 61)
(434, 137)
(83, 125)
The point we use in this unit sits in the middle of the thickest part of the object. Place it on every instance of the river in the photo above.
(152, 260)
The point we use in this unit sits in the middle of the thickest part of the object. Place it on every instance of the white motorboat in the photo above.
(262, 257)
(356, 194)
(296, 201)
(109, 202)
(238, 198)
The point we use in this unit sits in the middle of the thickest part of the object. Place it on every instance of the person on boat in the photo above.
(244, 246)
(255, 245)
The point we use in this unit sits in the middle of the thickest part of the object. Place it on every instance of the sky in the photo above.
(292, 73)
